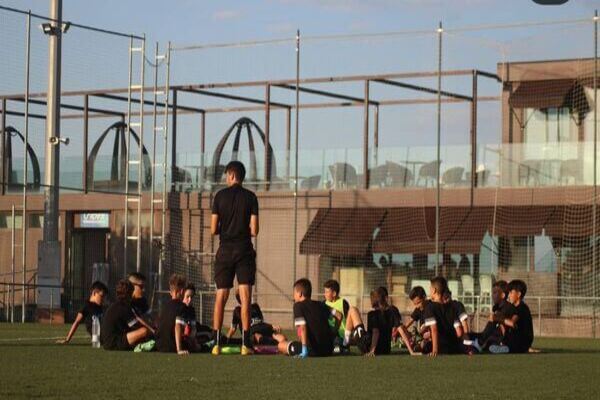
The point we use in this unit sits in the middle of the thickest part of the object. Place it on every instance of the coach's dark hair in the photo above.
(237, 169)
(379, 298)
(519, 286)
(333, 285)
(502, 285)
(417, 291)
(383, 290)
(177, 282)
(190, 286)
(304, 286)
(124, 290)
(136, 276)
(440, 284)
(98, 287)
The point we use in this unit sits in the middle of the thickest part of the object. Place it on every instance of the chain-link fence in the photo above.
(379, 160)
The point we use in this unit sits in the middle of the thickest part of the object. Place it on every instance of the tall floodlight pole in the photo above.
(49, 247)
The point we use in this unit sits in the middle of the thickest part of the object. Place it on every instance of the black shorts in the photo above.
(232, 261)
(119, 343)
(262, 328)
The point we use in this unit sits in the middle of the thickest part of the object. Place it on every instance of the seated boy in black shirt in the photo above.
(312, 320)
(172, 319)
(92, 308)
(414, 341)
(519, 335)
(461, 324)
(440, 319)
(495, 329)
(139, 303)
(380, 322)
(261, 332)
(189, 317)
(120, 328)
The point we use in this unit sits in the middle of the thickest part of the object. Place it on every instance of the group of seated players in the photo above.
(438, 324)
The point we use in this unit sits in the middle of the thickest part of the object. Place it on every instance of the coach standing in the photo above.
(235, 220)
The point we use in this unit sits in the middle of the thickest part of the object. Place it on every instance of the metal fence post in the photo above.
(25, 148)
(297, 127)
(51, 305)
(439, 134)
(201, 308)
(12, 263)
(539, 316)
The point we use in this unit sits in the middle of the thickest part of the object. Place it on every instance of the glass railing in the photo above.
(504, 165)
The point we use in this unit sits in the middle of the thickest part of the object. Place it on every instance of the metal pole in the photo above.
(366, 137)
(288, 140)
(474, 137)
(51, 305)
(138, 258)
(539, 316)
(174, 139)
(86, 127)
(267, 135)
(12, 264)
(3, 148)
(153, 161)
(202, 145)
(164, 188)
(25, 171)
(439, 131)
(594, 261)
(297, 126)
(376, 137)
(52, 151)
(127, 149)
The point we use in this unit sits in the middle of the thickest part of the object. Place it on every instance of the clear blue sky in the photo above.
(235, 20)
(193, 21)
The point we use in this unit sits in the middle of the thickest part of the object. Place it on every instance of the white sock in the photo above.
(347, 334)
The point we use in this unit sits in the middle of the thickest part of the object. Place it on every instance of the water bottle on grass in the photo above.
(95, 332)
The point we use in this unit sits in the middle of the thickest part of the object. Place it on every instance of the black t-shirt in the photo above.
(234, 206)
(397, 317)
(173, 313)
(140, 306)
(384, 322)
(460, 313)
(88, 311)
(315, 316)
(443, 316)
(417, 316)
(117, 321)
(189, 317)
(504, 310)
(256, 316)
(520, 338)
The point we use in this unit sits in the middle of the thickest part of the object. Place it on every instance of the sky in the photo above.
(194, 21)
(96, 61)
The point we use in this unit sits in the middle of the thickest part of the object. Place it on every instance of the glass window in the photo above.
(6, 221)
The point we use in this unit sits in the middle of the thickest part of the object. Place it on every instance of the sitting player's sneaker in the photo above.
(246, 351)
(499, 349)
(216, 351)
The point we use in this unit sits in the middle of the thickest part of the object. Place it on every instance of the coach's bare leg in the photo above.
(220, 301)
(134, 337)
(353, 319)
(245, 296)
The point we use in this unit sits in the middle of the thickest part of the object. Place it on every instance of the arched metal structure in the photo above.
(9, 133)
(248, 125)
(119, 158)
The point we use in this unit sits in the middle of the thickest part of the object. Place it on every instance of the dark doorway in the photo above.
(87, 246)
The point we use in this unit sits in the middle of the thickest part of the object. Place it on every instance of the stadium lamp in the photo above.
(49, 29)
(58, 140)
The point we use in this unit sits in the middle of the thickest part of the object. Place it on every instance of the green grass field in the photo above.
(31, 365)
